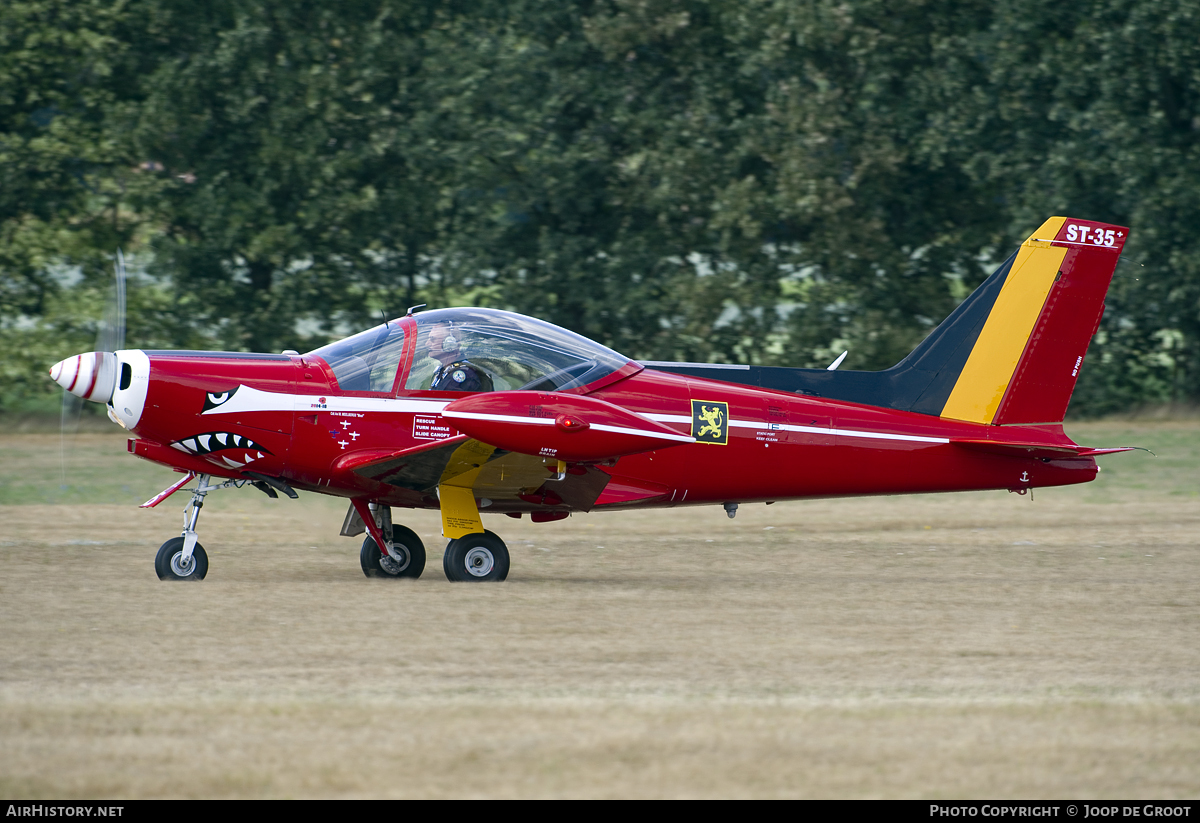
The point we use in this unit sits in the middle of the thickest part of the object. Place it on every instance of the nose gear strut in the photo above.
(183, 558)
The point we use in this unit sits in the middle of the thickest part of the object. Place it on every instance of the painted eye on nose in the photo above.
(217, 398)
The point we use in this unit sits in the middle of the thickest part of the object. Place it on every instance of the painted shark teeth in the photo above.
(209, 442)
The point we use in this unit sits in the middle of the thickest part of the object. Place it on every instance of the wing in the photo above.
(466, 475)
(512, 482)
(521, 451)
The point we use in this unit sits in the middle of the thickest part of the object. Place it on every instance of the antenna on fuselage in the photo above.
(412, 309)
(833, 366)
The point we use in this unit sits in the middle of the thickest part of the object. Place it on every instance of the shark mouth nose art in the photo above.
(242, 449)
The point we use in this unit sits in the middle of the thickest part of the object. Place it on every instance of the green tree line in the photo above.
(764, 181)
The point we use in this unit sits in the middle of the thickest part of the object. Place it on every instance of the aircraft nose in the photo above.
(92, 376)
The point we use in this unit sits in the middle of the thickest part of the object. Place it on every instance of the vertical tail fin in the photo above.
(1010, 353)
(1023, 365)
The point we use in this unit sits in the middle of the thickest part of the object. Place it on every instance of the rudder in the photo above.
(1024, 364)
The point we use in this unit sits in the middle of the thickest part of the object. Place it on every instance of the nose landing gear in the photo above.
(182, 558)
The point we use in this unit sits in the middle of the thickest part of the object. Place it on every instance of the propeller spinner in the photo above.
(92, 376)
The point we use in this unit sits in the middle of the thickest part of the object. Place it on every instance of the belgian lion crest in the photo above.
(710, 421)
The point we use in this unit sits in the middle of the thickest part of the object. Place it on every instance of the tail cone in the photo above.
(92, 376)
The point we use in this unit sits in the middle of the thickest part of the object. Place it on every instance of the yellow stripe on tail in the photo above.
(989, 369)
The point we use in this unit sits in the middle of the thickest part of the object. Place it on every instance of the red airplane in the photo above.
(472, 411)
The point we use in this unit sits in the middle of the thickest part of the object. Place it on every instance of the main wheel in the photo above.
(170, 565)
(476, 558)
(406, 543)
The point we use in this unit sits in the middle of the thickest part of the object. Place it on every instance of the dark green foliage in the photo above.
(766, 182)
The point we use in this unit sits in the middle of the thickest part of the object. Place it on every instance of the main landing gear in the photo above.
(476, 558)
(395, 551)
(389, 550)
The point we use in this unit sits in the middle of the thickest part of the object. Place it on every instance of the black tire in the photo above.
(167, 562)
(406, 543)
(476, 558)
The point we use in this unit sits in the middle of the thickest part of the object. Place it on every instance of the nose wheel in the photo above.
(476, 558)
(172, 564)
(183, 558)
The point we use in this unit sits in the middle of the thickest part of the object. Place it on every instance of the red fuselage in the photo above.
(285, 416)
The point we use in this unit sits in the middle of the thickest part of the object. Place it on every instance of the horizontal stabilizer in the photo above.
(563, 426)
(625, 490)
(1036, 450)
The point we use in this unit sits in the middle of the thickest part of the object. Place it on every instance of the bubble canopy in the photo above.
(514, 351)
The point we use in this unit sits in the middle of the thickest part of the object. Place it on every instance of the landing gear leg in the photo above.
(473, 554)
(389, 550)
(182, 558)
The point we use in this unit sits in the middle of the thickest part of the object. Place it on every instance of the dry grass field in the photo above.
(975, 645)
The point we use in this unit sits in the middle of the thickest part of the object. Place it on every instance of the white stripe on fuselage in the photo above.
(548, 421)
(787, 427)
(246, 399)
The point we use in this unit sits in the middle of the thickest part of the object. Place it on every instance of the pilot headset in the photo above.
(450, 342)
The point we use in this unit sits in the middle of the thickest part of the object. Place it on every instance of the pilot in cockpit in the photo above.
(456, 372)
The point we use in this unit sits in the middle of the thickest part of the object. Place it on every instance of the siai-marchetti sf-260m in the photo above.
(476, 411)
